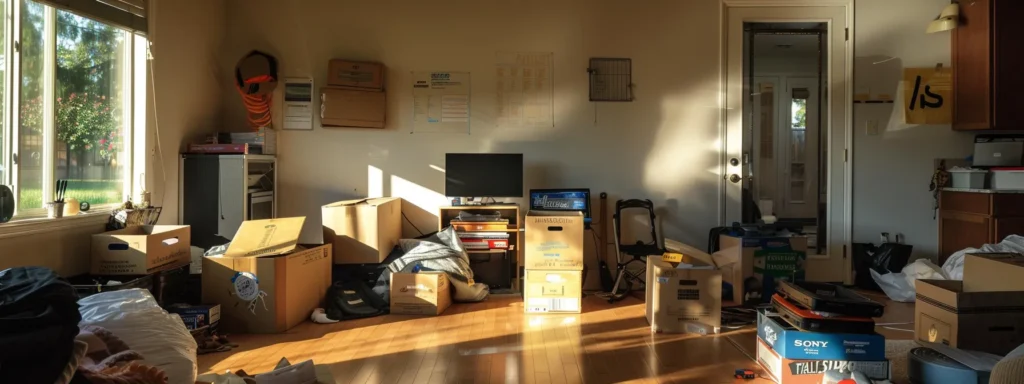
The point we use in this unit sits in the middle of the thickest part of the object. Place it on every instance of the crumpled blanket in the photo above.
(954, 265)
(441, 252)
(108, 360)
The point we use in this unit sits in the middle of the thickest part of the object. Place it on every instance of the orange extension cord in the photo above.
(258, 106)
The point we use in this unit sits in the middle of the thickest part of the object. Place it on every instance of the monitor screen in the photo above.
(483, 175)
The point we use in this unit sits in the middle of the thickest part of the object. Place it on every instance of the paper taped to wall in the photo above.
(441, 102)
(298, 103)
(525, 89)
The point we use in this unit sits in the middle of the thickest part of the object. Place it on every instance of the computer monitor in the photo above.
(483, 175)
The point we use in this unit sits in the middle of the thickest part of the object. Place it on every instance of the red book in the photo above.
(485, 244)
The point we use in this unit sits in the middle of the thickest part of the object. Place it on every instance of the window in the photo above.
(77, 107)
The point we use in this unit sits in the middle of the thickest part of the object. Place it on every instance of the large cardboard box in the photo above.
(547, 291)
(422, 293)
(341, 107)
(683, 297)
(792, 343)
(265, 282)
(994, 272)
(355, 74)
(990, 322)
(554, 241)
(362, 231)
(141, 250)
(763, 260)
(796, 371)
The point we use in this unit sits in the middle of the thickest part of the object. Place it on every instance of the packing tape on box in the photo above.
(925, 365)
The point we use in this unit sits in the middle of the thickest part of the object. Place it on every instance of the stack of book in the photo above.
(484, 241)
(259, 142)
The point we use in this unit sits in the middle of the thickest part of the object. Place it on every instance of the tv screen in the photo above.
(483, 175)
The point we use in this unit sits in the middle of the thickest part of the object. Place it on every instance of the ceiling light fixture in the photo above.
(947, 20)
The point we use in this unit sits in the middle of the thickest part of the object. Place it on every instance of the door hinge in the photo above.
(847, 34)
(844, 251)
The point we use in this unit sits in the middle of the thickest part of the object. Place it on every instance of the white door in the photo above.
(798, 137)
(828, 262)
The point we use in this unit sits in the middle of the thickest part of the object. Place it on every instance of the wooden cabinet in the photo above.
(969, 219)
(492, 264)
(987, 62)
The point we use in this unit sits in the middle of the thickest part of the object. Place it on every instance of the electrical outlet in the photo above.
(872, 127)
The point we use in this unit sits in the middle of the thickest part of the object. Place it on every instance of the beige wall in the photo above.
(892, 169)
(187, 39)
(663, 146)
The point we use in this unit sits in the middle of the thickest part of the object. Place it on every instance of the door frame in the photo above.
(730, 147)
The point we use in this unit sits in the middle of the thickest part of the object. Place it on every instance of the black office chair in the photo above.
(636, 252)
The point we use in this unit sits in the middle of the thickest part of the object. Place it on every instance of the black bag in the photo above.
(886, 258)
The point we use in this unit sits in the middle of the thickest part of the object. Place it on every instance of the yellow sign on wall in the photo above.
(928, 95)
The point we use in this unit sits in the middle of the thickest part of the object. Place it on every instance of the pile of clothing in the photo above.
(38, 325)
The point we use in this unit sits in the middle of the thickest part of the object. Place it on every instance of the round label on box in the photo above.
(247, 286)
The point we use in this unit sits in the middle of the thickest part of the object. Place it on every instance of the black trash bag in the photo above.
(885, 258)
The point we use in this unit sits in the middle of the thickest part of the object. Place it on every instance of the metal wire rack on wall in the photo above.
(611, 79)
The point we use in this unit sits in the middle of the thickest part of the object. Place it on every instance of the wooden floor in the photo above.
(494, 342)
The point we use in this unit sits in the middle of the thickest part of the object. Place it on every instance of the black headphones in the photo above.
(6, 204)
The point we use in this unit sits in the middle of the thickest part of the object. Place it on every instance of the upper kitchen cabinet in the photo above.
(988, 66)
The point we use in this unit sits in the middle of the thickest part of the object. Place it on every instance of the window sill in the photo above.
(33, 226)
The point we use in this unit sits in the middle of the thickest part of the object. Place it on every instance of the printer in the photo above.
(998, 151)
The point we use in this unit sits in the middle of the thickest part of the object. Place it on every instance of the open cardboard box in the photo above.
(684, 296)
(266, 282)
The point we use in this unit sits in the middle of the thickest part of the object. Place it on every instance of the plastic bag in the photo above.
(134, 316)
(900, 286)
(884, 259)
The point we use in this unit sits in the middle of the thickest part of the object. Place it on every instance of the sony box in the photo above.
(796, 371)
(792, 343)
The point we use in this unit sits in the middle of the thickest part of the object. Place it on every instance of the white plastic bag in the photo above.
(900, 286)
(134, 316)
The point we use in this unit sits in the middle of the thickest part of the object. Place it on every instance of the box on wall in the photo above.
(687, 300)
(547, 291)
(422, 293)
(363, 231)
(765, 259)
(355, 74)
(554, 240)
(993, 272)
(792, 343)
(341, 107)
(265, 282)
(797, 371)
(990, 322)
(141, 250)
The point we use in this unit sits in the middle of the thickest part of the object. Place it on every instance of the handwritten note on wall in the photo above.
(928, 95)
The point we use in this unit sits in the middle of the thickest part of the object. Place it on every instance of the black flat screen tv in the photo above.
(483, 175)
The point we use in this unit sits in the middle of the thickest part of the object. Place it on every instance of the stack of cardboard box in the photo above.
(984, 312)
(554, 262)
(354, 96)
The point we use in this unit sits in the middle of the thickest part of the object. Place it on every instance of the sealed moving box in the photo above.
(141, 250)
(994, 272)
(351, 108)
(990, 322)
(265, 282)
(683, 297)
(362, 231)
(549, 291)
(753, 264)
(554, 241)
(422, 293)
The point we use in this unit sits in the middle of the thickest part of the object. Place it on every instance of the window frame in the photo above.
(133, 89)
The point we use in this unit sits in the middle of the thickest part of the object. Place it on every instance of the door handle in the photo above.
(734, 178)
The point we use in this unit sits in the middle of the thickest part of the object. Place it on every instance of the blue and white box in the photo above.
(794, 344)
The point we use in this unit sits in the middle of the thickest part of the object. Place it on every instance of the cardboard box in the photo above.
(141, 250)
(795, 371)
(341, 107)
(198, 316)
(994, 272)
(355, 74)
(687, 300)
(554, 241)
(765, 259)
(792, 343)
(265, 282)
(423, 293)
(362, 231)
(990, 322)
(547, 291)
